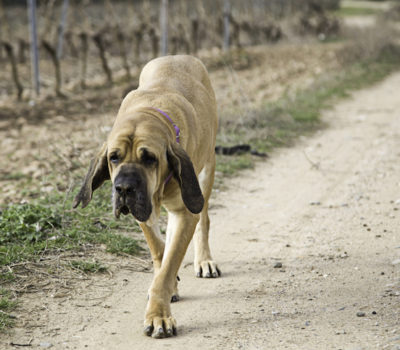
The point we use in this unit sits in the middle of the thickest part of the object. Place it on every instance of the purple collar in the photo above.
(177, 130)
(177, 133)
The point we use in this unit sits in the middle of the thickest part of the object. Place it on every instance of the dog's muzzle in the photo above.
(130, 194)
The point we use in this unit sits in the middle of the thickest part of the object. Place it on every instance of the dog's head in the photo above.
(137, 158)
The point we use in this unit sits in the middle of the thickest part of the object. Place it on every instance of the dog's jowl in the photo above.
(161, 152)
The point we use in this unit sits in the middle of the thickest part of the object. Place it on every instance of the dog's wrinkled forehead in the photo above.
(130, 141)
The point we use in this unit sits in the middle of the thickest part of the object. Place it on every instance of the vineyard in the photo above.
(84, 44)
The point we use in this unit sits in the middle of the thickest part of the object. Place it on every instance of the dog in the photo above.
(161, 152)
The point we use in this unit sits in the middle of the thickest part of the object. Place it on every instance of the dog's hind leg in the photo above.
(204, 266)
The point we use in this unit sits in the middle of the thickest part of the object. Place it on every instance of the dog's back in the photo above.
(187, 76)
(183, 73)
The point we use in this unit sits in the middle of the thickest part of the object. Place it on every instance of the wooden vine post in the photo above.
(164, 27)
(34, 46)
(227, 12)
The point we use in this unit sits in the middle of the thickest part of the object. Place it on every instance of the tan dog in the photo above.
(161, 151)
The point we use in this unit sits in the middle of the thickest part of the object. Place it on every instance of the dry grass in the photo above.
(368, 43)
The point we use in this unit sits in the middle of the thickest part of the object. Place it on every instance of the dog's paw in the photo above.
(207, 269)
(159, 322)
(160, 327)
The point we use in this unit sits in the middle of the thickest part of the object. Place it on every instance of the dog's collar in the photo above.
(177, 133)
(176, 127)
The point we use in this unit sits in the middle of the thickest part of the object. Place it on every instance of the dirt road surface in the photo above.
(327, 210)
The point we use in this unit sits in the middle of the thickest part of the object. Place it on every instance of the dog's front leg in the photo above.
(155, 243)
(158, 319)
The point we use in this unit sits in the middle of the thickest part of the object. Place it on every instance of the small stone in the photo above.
(396, 262)
(360, 314)
(278, 265)
(45, 345)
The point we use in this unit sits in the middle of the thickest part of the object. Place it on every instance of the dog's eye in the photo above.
(148, 159)
(114, 158)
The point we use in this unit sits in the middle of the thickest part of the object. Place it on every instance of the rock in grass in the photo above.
(360, 314)
(278, 265)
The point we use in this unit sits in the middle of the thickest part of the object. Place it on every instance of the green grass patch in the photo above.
(28, 231)
(228, 165)
(7, 305)
(27, 223)
(13, 176)
(87, 266)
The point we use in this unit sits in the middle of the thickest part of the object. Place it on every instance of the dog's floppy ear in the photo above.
(96, 175)
(183, 171)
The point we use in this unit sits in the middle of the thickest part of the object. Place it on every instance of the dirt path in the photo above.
(326, 209)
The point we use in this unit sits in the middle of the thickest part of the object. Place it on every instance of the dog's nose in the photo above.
(124, 189)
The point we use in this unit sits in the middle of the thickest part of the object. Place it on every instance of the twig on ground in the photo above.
(313, 164)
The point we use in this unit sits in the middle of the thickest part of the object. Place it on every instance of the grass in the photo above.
(29, 231)
(227, 165)
(6, 306)
(87, 266)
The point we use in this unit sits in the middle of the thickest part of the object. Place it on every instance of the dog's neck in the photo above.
(177, 134)
(176, 127)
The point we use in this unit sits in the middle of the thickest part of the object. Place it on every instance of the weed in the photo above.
(27, 223)
(227, 165)
(6, 306)
(30, 230)
(87, 266)
(13, 176)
